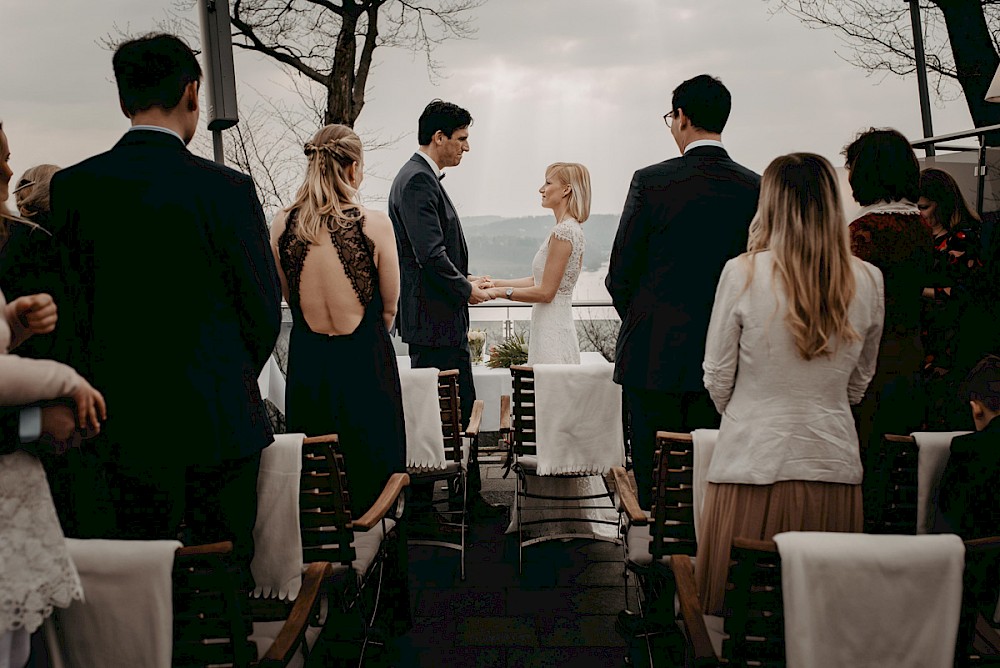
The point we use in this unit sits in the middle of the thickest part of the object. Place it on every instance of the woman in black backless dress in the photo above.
(340, 275)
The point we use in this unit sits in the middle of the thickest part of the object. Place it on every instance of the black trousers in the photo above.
(202, 503)
(654, 410)
(443, 359)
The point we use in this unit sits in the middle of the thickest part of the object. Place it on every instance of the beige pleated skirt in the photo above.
(761, 511)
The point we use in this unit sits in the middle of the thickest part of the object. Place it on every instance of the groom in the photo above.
(436, 288)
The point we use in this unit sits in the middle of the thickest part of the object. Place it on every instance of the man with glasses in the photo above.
(683, 219)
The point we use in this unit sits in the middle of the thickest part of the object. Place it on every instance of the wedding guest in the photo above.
(967, 500)
(683, 219)
(28, 261)
(555, 268)
(956, 331)
(175, 301)
(437, 288)
(889, 233)
(793, 341)
(342, 374)
(37, 572)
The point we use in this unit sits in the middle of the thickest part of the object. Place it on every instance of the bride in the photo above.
(553, 340)
(555, 268)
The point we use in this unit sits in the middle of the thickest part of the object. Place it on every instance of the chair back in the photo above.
(978, 641)
(324, 503)
(753, 607)
(672, 519)
(894, 494)
(523, 411)
(211, 621)
(451, 414)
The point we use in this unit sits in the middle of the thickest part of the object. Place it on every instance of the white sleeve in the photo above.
(865, 369)
(722, 345)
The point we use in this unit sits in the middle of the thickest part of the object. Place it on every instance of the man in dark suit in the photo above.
(173, 308)
(436, 287)
(683, 219)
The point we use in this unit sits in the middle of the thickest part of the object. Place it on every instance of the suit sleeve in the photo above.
(75, 277)
(420, 218)
(627, 259)
(256, 288)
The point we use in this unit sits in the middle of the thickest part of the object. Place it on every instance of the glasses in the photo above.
(668, 117)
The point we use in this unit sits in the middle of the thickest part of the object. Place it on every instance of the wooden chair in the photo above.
(457, 458)
(213, 624)
(517, 427)
(651, 539)
(357, 549)
(891, 499)
(752, 631)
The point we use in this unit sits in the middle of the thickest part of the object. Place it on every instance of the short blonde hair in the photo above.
(327, 188)
(577, 178)
(32, 196)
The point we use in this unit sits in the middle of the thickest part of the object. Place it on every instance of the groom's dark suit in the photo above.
(433, 313)
(683, 219)
(173, 306)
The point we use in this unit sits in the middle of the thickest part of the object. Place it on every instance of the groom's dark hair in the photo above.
(443, 116)
(153, 71)
(705, 101)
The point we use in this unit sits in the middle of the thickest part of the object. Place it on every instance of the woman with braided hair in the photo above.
(340, 276)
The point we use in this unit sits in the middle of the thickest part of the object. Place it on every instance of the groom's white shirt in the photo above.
(437, 172)
(703, 142)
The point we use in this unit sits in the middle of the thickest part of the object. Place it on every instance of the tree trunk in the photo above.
(975, 59)
(340, 91)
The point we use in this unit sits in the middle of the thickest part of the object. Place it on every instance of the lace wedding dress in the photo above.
(553, 340)
(36, 572)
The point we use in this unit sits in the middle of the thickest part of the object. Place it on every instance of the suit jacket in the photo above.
(433, 259)
(683, 219)
(173, 298)
(967, 498)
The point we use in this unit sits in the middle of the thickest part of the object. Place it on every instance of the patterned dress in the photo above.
(552, 338)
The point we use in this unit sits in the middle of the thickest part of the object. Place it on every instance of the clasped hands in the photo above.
(62, 426)
(480, 289)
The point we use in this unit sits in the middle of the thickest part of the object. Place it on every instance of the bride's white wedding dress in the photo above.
(553, 340)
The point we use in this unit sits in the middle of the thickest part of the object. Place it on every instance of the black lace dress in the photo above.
(349, 384)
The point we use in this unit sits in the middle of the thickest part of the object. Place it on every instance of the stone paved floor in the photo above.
(559, 612)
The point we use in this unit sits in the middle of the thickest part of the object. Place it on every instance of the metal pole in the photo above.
(921, 63)
(220, 155)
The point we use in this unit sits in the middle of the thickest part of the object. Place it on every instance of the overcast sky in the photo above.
(545, 80)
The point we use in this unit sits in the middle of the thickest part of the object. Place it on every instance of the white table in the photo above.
(492, 383)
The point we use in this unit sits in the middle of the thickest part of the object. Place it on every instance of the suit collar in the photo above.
(707, 150)
(153, 138)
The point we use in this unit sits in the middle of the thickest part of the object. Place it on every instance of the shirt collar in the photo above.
(704, 142)
(903, 206)
(430, 161)
(157, 128)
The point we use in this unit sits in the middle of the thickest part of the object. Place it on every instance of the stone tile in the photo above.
(431, 632)
(598, 600)
(497, 632)
(453, 657)
(543, 601)
(579, 631)
(600, 573)
(458, 603)
(557, 657)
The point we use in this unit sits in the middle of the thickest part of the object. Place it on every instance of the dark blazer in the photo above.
(433, 259)
(683, 219)
(968, 502)
(173, 298)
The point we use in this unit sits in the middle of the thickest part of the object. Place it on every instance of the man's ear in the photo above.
(191, 93)
(121, 105)
(978, 409)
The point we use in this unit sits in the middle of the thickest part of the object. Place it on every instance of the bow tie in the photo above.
(441, 177)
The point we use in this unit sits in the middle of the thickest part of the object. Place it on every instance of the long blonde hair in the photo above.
(800, 221)
(327, 193)
(577, 178)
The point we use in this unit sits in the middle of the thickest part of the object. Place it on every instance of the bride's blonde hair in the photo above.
(327, 192)
(801, 222)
